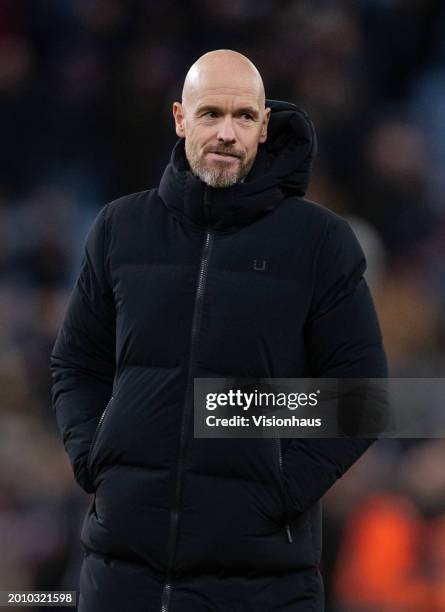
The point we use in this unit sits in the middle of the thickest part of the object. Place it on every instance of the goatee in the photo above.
(220, 175)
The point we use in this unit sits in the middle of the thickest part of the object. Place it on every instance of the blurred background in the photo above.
(86, 88)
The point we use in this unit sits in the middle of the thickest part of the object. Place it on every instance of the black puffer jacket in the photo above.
(185, 281)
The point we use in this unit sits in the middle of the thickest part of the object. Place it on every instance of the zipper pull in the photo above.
(288, 533)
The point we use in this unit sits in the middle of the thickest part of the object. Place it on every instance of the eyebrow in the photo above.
(212, 108)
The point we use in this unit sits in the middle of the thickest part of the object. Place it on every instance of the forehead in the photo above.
(227, 98)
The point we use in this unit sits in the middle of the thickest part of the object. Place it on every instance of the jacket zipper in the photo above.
(96, 433)
(174, 517)
(280, 465)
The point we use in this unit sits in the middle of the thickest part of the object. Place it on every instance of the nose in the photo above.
(226, 132)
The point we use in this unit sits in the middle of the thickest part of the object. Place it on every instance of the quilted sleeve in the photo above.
(83, 358)
(343, 339)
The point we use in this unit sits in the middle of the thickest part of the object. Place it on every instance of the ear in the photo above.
(178, 114)
(264, 124)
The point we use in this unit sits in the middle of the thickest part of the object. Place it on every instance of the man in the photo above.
(224, 270)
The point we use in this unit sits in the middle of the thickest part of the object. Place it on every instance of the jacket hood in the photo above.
(281, 169)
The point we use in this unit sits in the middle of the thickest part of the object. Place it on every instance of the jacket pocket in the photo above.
(97, 431)
(279, 452)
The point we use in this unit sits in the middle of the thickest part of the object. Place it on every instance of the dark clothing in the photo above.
(188, 281)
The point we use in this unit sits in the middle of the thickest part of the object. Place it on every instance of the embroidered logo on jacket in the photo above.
(259, 264)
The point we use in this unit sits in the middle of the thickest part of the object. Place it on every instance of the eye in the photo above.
(210, 114)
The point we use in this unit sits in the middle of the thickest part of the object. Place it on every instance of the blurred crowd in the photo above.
(86, 88)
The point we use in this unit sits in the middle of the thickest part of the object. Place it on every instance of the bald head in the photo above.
(222, 117)
(223, 69)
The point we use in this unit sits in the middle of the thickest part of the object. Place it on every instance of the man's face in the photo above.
(223, 120)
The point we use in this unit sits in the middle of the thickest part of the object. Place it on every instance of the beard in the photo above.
(220, 174)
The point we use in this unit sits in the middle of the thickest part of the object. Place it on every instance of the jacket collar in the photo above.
(281, 168)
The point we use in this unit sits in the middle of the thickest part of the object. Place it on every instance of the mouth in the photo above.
(223, 155)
